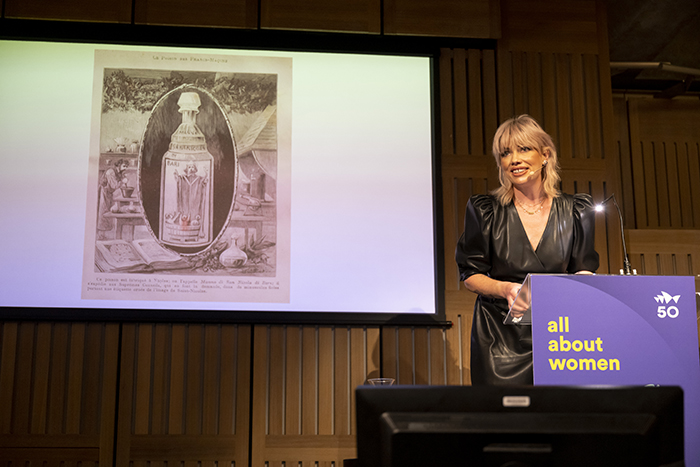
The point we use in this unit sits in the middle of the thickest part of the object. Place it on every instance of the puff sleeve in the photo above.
(473, 251)
(583, 254)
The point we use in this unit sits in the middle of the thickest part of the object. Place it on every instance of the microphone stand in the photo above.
(626, 266)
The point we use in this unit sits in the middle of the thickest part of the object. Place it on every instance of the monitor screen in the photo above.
(528, 426)
(156, 179)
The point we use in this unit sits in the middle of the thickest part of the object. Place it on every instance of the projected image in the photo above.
(149, 179)
(186, 183)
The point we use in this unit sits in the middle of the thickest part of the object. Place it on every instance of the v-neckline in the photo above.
(522, 227)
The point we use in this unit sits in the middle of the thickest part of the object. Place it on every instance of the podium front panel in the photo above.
(619, 330)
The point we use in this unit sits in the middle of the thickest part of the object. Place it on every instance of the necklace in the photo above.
(540, 205)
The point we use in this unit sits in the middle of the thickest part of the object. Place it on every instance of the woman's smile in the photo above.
(518, 171)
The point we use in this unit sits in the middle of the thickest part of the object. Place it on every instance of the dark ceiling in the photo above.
(655, 31)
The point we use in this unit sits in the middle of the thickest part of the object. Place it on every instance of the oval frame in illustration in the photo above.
(165, 152)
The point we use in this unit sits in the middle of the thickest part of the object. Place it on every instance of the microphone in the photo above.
(542, 166)
(626, 266)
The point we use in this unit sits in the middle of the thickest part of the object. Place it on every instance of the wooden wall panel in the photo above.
(664, 252)
(184, 394)
(419, 355)
(559, 91)
(449, 18)
(469, 117)
(305, 377)
(362, 16)
(58, 384)
(104, 11)
(303, 391)
(218, 13)
(663, 162)
(560, 27)
(622, 143)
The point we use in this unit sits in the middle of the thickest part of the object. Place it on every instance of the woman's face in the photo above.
(522, 165)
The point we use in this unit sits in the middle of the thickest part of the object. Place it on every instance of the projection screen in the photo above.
(162, 179)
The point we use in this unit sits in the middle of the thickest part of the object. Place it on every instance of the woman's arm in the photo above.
(484, 285)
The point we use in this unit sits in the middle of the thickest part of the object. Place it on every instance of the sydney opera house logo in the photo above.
(666, 298)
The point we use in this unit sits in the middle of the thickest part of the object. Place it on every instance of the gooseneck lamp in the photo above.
(626, 266)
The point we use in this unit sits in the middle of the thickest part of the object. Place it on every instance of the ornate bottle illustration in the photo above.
(187, 182)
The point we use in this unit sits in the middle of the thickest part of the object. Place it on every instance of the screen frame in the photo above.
(274, 40)
(372, 402)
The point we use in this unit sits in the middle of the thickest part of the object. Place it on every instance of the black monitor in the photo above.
(515, 427)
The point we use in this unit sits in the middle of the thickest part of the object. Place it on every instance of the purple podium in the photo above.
(616, 330)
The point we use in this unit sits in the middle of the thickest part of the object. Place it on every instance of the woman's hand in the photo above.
(510, 291)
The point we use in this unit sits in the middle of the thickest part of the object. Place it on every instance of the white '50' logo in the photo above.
(664, 311)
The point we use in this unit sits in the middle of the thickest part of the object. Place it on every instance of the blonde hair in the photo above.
(522, 131)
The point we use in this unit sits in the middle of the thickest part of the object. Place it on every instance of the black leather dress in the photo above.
(494, 243)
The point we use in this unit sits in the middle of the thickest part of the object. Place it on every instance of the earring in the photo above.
(544, 164)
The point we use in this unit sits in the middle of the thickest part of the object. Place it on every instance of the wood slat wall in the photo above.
(303, 392)
(652, 253)
(58, 384)
(469, 118)
(184, 395)
(424, 356)
(304, 379)
(661, 161)
(659, 146)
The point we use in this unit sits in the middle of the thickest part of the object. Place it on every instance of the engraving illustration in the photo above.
(186, 180)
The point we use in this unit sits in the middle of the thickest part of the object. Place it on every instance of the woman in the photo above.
(525, 226)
